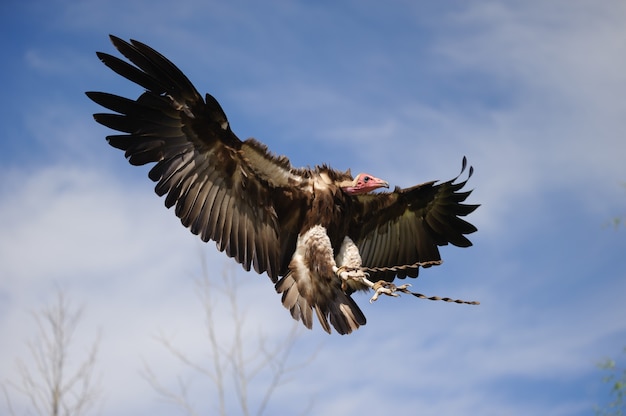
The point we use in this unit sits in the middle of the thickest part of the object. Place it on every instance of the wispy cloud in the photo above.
(531, 92)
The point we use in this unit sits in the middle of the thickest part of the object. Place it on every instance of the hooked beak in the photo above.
(365, 183)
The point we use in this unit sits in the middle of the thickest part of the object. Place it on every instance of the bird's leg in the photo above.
(347, 274)
(381, 287)
(387, 288)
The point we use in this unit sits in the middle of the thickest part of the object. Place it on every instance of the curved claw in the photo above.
(386, 288)
(347, 274)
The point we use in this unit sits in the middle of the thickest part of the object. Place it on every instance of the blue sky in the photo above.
(531, 92)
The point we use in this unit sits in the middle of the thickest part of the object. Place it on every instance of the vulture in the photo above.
(320, 234)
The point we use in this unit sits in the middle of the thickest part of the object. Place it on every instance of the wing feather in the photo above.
(178, 183)
(217, 213)
(233, 238)
(226, 216)
(186, 206)
(222, 189)
(406, 226)
(203, 223)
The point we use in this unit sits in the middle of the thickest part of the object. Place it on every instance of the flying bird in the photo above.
(320, 234)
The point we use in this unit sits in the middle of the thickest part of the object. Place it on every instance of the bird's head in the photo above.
(363, 184)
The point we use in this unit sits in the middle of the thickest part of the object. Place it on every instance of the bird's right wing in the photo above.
(223, 189)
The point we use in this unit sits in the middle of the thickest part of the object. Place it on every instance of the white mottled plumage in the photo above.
(348, 255)
(312, 274)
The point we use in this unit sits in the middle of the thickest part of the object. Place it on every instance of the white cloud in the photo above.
(546, 143)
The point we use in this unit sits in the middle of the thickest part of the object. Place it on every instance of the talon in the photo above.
(351, 273)
(346, 274)
(386, 288)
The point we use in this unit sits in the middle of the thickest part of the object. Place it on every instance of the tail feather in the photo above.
(342, 311)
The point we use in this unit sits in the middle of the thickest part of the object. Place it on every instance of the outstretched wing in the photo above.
(406, 226)
(223, 189)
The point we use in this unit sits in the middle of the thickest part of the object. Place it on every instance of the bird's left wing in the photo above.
(223, 189)
(395, 231)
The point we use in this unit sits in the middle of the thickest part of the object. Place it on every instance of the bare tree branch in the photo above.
(278, 359)
(231, 358)
(52, 387)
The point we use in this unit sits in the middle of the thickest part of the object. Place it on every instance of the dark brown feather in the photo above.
(222, 189)
(406, 226)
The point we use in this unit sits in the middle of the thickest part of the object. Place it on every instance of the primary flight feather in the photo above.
(318, 233)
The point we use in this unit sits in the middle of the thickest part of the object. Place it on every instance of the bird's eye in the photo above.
(366, 179)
